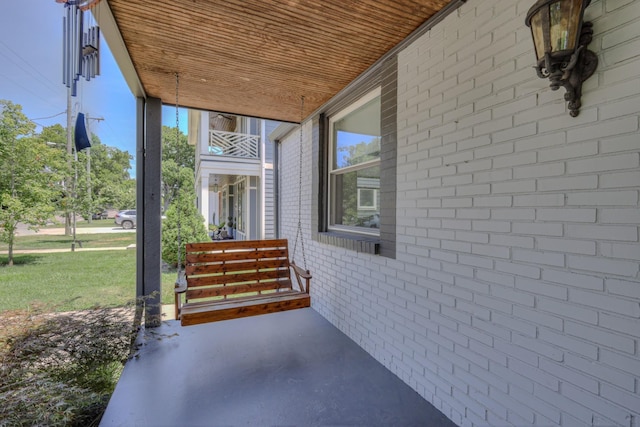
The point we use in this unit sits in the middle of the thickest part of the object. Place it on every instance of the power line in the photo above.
(44, 79)
(49, 117)
(38, 95)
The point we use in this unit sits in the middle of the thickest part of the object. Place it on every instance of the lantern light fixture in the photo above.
(560, 39)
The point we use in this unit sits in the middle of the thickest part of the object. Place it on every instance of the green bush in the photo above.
(183, 213)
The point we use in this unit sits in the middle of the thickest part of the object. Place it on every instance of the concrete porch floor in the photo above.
(292, 368)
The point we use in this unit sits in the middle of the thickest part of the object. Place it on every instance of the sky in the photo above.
(31, 75)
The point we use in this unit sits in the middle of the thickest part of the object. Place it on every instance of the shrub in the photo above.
(182, 212)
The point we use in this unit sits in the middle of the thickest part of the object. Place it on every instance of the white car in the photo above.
(127, 219)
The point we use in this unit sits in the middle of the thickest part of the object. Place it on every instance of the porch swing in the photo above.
(225, 280)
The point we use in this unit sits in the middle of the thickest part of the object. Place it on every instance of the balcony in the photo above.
(233, 144)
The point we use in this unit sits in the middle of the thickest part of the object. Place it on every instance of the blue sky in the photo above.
(31, 75)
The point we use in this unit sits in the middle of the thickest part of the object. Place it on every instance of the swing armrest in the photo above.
(179, 289)
(305, 274)
(301, 274)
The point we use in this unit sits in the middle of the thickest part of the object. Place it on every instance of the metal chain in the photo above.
(178, 186)
(299, 231)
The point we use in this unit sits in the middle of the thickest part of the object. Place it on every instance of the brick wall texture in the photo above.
(514, 298)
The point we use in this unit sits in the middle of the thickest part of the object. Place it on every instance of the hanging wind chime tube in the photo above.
(80, 49)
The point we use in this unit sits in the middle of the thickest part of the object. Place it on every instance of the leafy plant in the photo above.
(183, 220)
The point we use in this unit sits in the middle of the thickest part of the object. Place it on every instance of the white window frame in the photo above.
(374, 198)
(331, 171)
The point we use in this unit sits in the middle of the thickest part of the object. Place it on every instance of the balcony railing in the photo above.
(232, 144)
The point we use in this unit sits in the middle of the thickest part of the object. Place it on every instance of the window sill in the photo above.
(354, 242)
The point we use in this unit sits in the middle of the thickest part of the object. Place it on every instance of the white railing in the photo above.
(232, 144)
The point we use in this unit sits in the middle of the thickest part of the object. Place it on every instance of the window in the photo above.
(355, 206)
(354, 166)
(367, 199)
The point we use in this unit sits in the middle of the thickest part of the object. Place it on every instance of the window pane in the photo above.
(356, 201)
(536, 32)
(366, 198)
(563, 16)
(356, 136)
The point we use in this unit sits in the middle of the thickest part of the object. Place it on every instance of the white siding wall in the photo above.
(515, 295)
(269, 200)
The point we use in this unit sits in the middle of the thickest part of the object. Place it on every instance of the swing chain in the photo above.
(177, 187)
(299, 230)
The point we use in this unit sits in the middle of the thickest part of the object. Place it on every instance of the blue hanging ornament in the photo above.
(81, 138)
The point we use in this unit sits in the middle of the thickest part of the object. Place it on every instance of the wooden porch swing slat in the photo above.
(228, 280)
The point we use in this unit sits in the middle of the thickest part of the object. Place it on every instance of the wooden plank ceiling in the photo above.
(258, 57)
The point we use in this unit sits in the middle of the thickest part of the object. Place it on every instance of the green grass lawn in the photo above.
(73, 280)
(104, 240)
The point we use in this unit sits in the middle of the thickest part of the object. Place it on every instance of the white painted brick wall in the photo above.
(515, 294)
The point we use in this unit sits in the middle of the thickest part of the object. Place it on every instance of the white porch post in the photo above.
(262, 204)
(204, 132)
(204, 199)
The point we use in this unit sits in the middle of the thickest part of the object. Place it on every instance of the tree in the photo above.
(30, 178)
(176, 154)
(183, 215)
(178, 168)
(111, 184)
(177, 149)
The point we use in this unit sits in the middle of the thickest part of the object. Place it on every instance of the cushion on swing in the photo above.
(232, 279)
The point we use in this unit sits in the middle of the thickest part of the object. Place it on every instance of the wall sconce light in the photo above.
(560, 38)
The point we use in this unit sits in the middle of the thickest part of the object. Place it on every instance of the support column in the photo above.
(204, 130)
(140, 125)
(204, 200)
(152, 207)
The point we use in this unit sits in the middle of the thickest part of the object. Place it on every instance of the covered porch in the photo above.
(504, 283)
(288, 368)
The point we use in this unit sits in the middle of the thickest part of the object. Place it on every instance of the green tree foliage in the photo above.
(177, 149)
(176, 154)
(111, 184)
(355, 154)
(55, 134)
(30, 174)
(182, 214)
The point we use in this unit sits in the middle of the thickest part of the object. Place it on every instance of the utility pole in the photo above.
(67, 185)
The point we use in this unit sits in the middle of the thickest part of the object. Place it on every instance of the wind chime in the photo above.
(80, 47)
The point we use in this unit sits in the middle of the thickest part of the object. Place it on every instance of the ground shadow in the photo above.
(20, 259)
